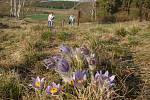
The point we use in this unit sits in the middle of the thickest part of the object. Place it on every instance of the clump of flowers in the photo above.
(38, 84)
(104, 79)
(79, 77)
(53, 89)
(71, 65)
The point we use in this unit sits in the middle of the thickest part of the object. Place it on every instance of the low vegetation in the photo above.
(105, 57)
(116, 46)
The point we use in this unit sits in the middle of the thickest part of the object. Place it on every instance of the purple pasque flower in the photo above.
(77, 54)
(56, 58)
(65, 49)
(63, 68)
(92, 61)
(53, 89)
(49, 63)
(102, 79)
(38, 84)
(63, 65)
(79, 78)
(68, 79)
(84, 50)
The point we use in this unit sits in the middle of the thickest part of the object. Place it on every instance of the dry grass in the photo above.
(23, 45)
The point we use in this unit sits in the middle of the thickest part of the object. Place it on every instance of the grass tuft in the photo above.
(63, 36)
(46, 36)
(122, 32)
(10, 86)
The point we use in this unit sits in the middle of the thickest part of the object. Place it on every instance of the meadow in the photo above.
(122, 49)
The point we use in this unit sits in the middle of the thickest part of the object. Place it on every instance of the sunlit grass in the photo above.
(25, 49)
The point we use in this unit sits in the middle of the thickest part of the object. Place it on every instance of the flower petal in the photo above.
(38, 79)
(97, 74)
(42, 80)
(106, 73)
(65, 49)
(112, 78)
(48, 89)
(84, 77)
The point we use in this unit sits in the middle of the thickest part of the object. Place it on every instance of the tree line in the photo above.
(108, 7)
(18, 8)
(111, 7)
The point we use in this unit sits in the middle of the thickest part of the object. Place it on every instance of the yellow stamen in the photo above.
(71, 82)
(80, 81)
(54, 90)
(38, 84)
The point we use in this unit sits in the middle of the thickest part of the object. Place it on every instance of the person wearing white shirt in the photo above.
(51, 18)
(71, 20)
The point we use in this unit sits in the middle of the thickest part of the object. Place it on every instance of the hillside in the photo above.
(25, 43)
(103, 57)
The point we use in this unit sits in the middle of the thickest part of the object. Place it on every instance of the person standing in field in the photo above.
(71, 20)
(51, 18)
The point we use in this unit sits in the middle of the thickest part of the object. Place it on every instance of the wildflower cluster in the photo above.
(38, 85)
(71, 64)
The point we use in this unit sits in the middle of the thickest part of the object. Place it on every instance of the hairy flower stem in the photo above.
(38, 94)
(92, 76)
(80, 64)
(77, 92)
(72, 60)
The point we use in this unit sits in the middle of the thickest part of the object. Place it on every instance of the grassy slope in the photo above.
(143, 59)
(32, 40)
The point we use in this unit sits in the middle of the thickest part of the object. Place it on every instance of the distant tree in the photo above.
(144, 8)
(126, 5)
(15, 7)
(110, 6)
(11, 8)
